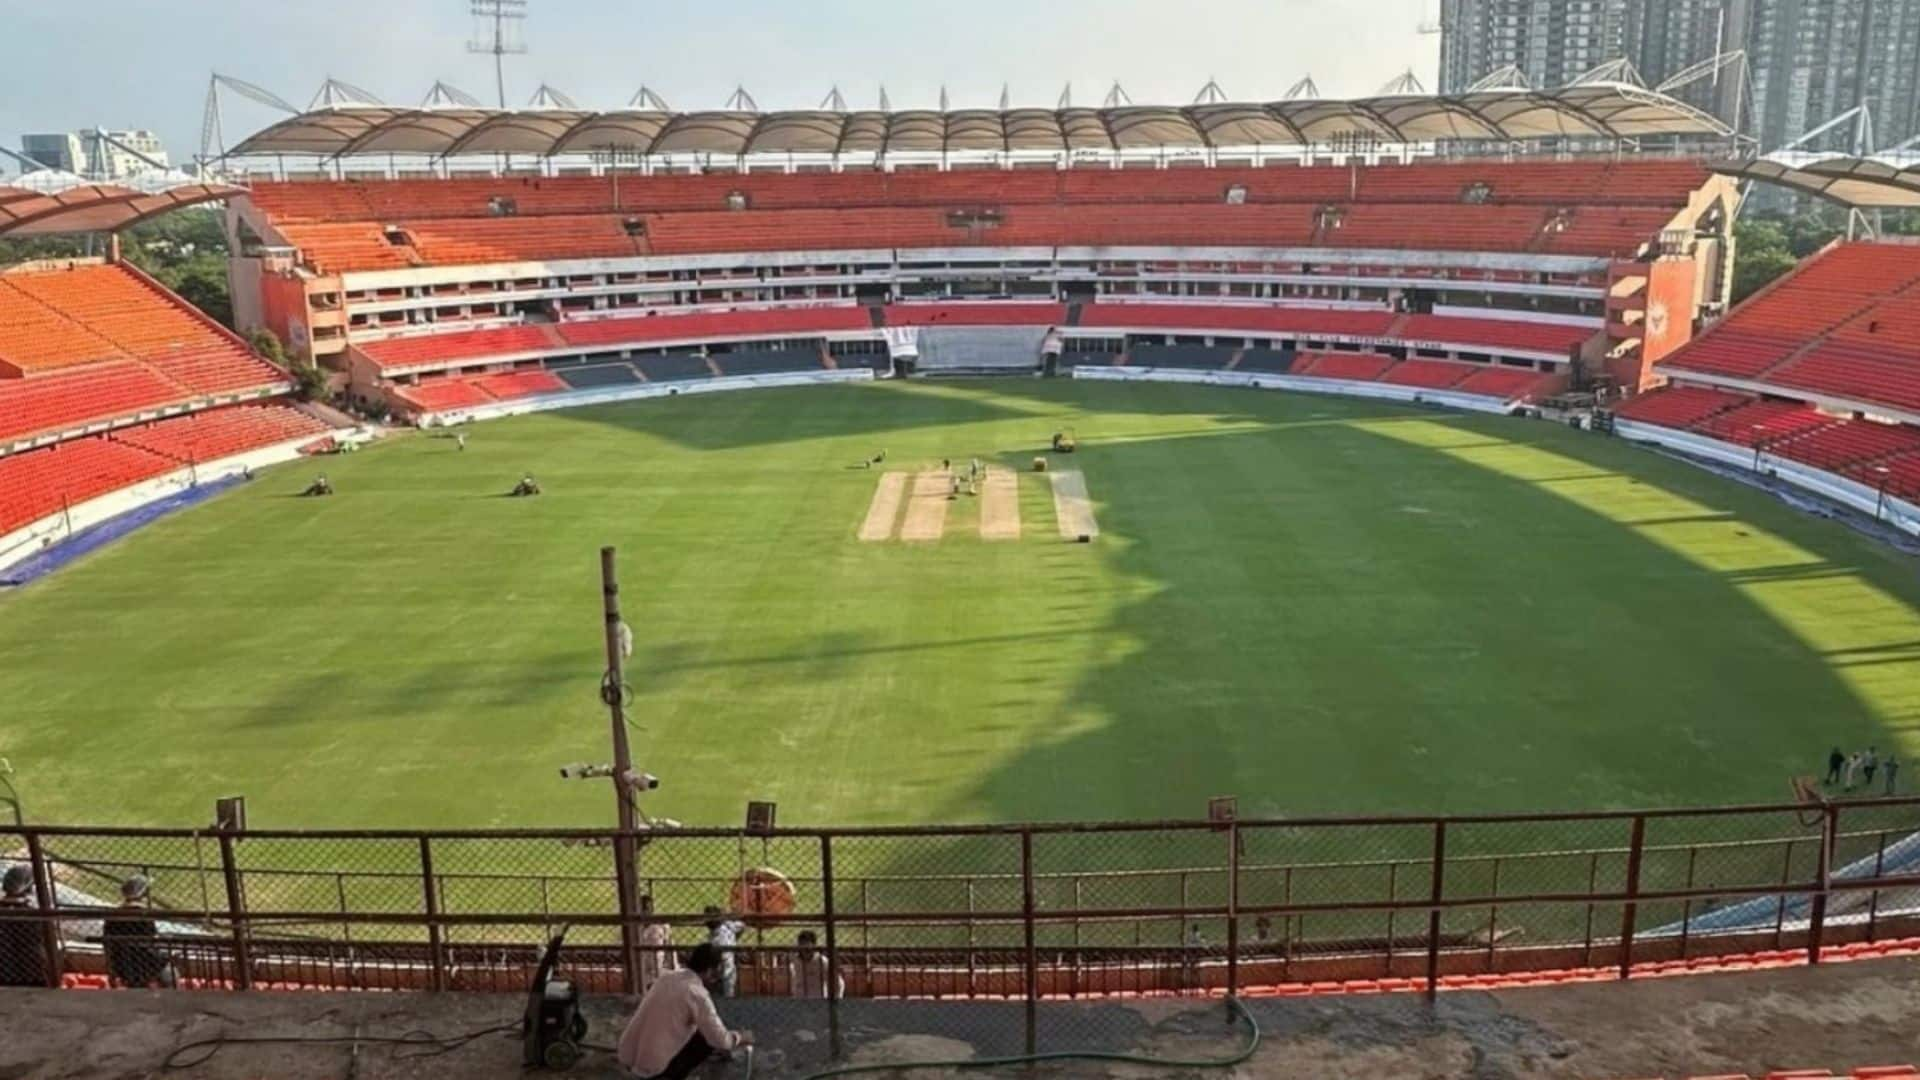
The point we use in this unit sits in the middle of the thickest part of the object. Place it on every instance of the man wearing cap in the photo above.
(23, 957)
(133, 959)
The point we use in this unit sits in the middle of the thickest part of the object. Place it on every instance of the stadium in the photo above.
(1233, 550)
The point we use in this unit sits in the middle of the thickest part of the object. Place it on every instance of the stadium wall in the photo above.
(1264, 381)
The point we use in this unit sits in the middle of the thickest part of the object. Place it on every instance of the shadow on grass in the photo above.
(1568, 623)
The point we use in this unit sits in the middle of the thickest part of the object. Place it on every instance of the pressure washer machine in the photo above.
(553, 1028)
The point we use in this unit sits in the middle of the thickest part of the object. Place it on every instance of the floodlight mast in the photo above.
(501, 12)
(614, 691)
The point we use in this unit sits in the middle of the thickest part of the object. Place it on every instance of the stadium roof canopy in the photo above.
(1885, 182)
(1594, 110)
(48, 202)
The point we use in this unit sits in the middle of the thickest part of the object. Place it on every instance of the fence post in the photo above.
(430, 892)
(833, 945)
(43, 895)
(1636, 845)
(1433, 912)
(1233, 909)
(1032, 961)
(236, 913)
(1817, 918)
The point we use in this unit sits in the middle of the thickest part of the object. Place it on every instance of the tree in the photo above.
(267, 347)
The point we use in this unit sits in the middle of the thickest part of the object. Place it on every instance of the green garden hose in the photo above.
(1233, 1004)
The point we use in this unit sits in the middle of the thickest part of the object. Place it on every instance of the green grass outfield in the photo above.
(1321, 605)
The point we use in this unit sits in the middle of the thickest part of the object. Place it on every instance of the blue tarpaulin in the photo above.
(95, 537)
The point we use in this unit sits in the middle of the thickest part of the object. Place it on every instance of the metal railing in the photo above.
(1008, 912)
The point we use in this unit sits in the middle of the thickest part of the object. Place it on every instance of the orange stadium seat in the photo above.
(86, 396)
(217, 433)
(1507, 383)
(1431, 374)
(41, 482)
(1354, 367)
(457, 346)
(157, 329)
(1680, 407)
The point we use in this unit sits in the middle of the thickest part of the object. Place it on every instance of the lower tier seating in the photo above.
(767, 361)
(1274, 361)
(1357, 367)
(1194, 357)
(517, 384)
(1432, 374)
(598, 376)
(1762, 423)
(1680, 406)
(41, 482)
(673, 367)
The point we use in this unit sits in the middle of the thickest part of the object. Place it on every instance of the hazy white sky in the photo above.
(145, 63)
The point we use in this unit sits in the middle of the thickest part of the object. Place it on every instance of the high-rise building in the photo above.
(1807, 60)
(97, 154)
(1815, 59)
(1551, 42)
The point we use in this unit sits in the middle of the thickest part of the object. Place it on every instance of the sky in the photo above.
(146, 63)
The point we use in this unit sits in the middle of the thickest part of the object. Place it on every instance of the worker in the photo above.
(676, 1028)
(23, 955)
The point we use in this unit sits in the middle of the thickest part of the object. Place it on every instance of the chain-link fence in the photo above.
(1005, 913)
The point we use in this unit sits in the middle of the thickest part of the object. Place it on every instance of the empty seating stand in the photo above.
(598, 376)
(38, 483)
(91, 344)
(767, 361)
(1680, 406)
(1845, 327)
(673, 367)
(1194, 357)
(1354, 367)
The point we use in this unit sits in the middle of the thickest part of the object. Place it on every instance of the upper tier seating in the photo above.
(36, 338)
(1496, 334)
(709, 325)
(1546, 183)
(1679, 406)
(217, 433)
(1279, 321)
(152, 327)
(1601, 208)
(980, 314)
(86, 396)
(1847, 324)
(91, 344)
(456, 346)
(1857, 373)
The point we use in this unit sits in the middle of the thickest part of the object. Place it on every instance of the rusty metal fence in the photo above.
(1017, 913)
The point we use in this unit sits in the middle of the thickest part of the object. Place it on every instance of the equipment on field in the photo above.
(553, 1027)
(320, 486)
(526, 487)
(1039, 464)
(1064, 442)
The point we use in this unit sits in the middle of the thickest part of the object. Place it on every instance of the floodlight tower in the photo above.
(497, 38)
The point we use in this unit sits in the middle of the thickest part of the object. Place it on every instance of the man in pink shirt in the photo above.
(676, 1027)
